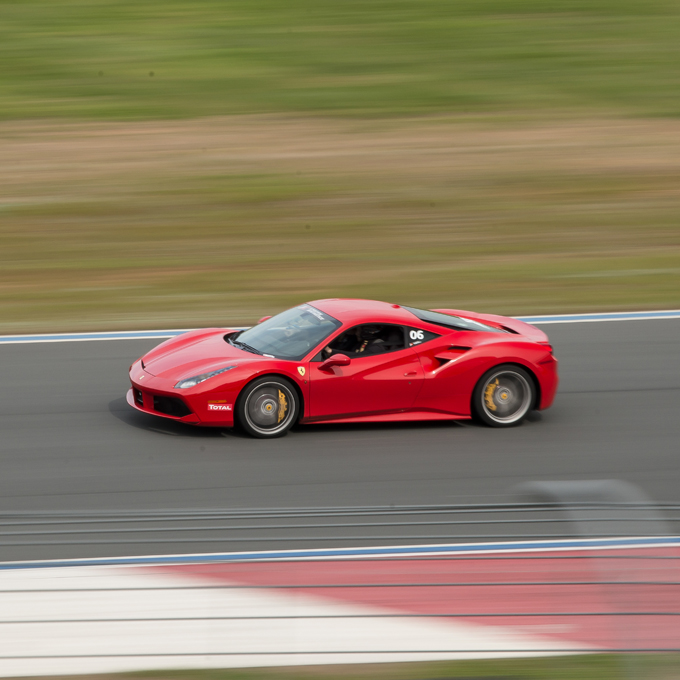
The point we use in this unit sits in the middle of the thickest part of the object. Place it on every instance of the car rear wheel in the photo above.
(503, 396)
(267, 407)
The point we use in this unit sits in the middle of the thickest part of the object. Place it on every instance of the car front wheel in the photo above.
(503, 396)
(267, 407)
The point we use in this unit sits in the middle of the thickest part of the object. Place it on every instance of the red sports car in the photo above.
(349, 361)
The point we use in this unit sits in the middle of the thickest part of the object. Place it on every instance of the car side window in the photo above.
(417, 336)
(367, 340)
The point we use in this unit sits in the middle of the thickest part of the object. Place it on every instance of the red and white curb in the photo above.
(412, 603)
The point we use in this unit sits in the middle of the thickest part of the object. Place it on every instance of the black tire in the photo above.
(267, 407)
(503, 396)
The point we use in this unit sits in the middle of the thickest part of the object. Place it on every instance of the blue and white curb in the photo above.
(88, 337)
(171, 333)
(85, 337)
(607, 316)
(424, 551)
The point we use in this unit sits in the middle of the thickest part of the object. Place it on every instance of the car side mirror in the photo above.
(335, 360)
(264, 318)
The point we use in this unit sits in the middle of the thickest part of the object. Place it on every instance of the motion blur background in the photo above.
(195, 162)
(181, 163)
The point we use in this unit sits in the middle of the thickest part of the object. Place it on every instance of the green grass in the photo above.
(591, 667)
(210, 162)
(111, 227)
(93, 58)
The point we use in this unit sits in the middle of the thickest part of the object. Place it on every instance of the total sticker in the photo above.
(219, 406)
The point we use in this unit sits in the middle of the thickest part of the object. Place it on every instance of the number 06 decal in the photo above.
(417, 335)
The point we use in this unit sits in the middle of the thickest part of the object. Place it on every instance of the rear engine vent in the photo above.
(171, 406)
(509, 330)
(450, 354)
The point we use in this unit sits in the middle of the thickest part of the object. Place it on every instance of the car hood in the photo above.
(194, 353)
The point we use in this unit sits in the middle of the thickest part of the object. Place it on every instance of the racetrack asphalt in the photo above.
(69, 441)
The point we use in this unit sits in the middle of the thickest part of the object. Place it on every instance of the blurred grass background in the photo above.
(575, 667)
(184, 163)
(93, 58)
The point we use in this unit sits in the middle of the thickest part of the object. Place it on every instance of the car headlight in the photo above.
(195, 380)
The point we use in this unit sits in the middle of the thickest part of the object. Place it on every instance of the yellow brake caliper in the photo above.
(488, 395)
(283, 406)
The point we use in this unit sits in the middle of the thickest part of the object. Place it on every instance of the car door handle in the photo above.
(411, 373)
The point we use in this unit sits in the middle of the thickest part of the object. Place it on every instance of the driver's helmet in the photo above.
(369, 332)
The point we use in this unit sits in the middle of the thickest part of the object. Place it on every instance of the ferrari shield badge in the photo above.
(301, 370)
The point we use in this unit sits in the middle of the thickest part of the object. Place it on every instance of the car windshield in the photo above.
(449, 321)
(289, 335)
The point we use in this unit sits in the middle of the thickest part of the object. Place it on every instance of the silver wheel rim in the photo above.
(506, 397)
(269, 408)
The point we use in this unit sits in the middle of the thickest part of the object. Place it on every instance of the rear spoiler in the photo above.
(505, 323)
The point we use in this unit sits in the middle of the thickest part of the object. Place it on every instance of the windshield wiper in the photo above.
(248, 348)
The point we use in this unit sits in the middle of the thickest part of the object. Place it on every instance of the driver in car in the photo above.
(359, 340)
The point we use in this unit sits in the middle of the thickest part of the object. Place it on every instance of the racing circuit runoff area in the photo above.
(85, 476)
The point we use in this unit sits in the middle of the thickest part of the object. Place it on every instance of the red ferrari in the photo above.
(349, 361)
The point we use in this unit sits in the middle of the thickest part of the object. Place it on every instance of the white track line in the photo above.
(162, 334)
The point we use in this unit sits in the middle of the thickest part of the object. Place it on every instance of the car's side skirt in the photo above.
(400, 416)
